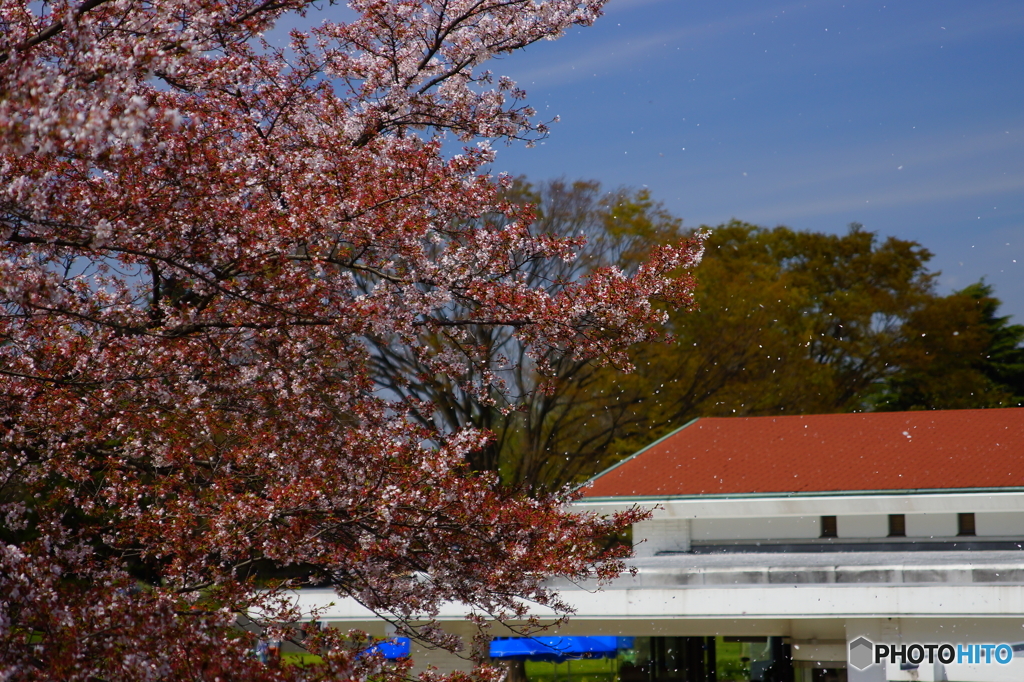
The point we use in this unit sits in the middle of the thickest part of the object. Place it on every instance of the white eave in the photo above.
(813, 504)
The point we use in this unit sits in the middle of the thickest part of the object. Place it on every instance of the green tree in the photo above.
(790, 323)
(786, 322)
(1003, 363)
(957, 352)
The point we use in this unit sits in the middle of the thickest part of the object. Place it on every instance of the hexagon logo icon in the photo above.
(861, 653)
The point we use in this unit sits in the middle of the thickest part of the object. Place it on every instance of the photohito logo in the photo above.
(864, 653)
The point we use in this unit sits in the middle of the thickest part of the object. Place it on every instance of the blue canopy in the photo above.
(558, 648)
(396, 647)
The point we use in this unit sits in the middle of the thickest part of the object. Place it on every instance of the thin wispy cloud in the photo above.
(929, 194)
(618, 6)
(626, 53)
(935, 169)
(623, 53)
(968, 24)
(946, 151)
(905, 116)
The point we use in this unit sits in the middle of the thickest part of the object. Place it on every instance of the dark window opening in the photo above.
(829, 528)
(653, 659)
(897, 526)
(965, 524)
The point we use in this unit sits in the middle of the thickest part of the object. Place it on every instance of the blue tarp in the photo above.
(558, 648)
(396, 647)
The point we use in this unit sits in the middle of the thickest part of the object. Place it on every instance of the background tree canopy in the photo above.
(785, 322)
(544, 433)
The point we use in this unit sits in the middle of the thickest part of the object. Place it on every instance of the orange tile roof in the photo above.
(939, 449)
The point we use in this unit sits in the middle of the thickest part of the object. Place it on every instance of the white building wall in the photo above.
(931, 525)
(677, 534)
(777, 528)
(999, 523)
(863, 526)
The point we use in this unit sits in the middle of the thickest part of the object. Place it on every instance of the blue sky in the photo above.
(906, 116)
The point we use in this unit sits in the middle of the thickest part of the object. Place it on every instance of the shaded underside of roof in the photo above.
(880, 451)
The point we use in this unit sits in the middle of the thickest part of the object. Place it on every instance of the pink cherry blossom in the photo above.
(198, 235)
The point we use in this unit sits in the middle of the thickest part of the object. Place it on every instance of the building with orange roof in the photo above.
(791, 548)
(824, 530)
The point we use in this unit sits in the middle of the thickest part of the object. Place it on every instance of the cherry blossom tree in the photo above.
(564, 433)
(200, 237)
